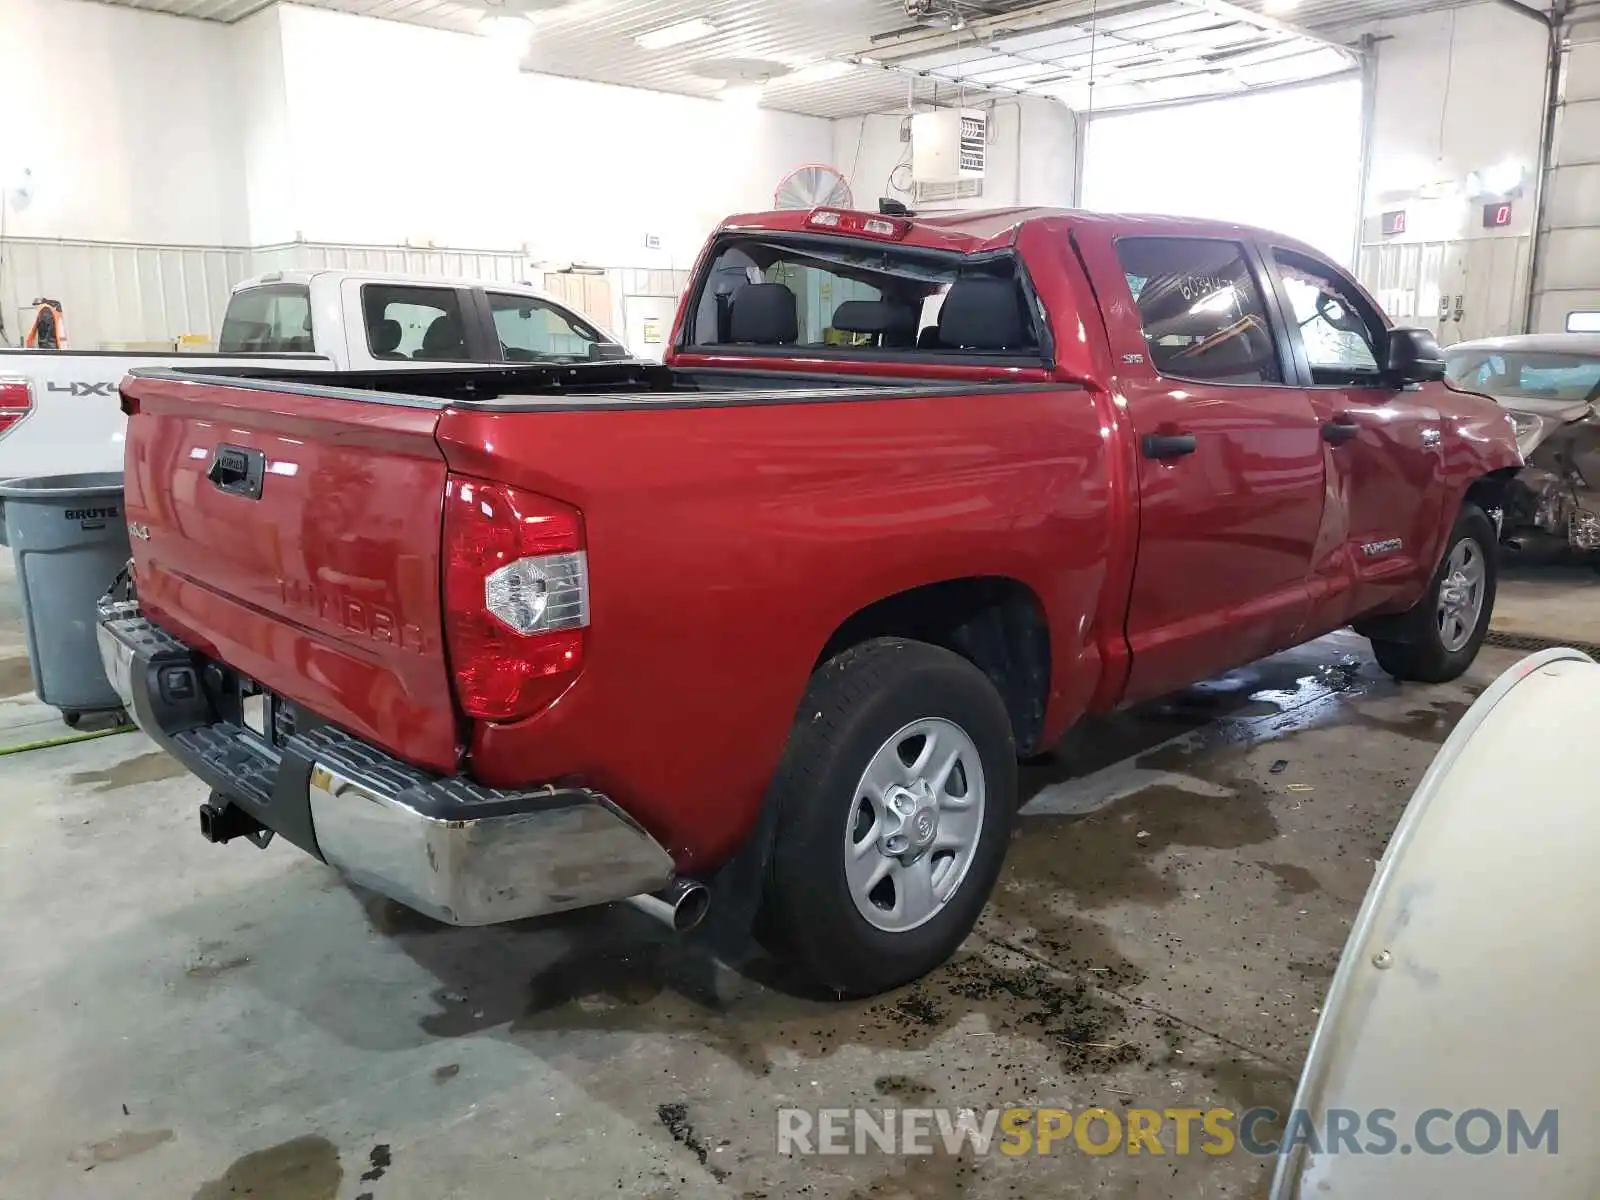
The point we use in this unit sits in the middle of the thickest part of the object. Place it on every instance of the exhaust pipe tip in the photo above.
(680, 906)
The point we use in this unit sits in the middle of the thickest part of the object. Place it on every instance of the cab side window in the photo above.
(418, 323)
(1201, 309)
(532, 331)
(1341, 343)
(274, 319)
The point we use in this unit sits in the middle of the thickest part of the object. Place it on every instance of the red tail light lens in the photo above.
(16, 402)
(516, 597)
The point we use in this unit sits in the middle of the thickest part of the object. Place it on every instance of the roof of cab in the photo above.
(980, 229)
(304, 278)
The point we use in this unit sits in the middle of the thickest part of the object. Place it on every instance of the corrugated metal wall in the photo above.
(1460, 289)
(503, 266)
(117, 295)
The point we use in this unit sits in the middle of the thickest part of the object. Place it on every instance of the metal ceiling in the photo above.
(835, 58)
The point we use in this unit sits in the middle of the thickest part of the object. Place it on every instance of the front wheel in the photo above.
(895, 798)
(1437, 639)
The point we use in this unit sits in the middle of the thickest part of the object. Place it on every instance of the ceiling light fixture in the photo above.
(675, 35)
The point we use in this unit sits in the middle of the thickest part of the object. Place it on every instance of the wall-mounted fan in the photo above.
(812, 186)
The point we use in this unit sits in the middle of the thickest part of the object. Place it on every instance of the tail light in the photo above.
(16, 402)
(516, 597)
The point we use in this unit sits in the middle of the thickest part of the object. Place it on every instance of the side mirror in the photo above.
(1413, 357)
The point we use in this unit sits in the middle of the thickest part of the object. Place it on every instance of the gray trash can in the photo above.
(68, 539)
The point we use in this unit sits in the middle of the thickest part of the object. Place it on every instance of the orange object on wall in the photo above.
(49, 328)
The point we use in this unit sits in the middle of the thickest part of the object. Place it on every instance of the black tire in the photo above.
(855, 704)
(71, 719)
(1409, 646)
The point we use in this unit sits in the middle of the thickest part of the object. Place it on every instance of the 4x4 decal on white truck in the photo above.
(78, 388)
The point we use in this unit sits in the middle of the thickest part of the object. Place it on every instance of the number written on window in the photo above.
(1201, 309)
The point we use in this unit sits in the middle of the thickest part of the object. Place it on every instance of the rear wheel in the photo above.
(895, 798)
(1436, 640)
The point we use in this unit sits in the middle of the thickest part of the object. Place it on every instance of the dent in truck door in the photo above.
(1229, 460)
(1384, 453)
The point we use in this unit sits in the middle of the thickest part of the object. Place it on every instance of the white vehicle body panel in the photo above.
(77, 424)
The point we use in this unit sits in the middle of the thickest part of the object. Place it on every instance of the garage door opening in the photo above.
(1287, 160)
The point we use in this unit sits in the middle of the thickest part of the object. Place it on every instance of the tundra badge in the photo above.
(1387, 546)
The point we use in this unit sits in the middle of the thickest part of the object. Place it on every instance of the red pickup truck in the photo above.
(909, 498)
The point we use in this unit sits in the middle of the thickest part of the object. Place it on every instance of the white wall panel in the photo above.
(486, 154)
(1572, 258)
(116, 294)
(128, 120)
(1572, 195)
(506, 266)
(1307, 187)
(1551, 308)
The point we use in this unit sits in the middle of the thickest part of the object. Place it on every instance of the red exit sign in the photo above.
(1497, 216)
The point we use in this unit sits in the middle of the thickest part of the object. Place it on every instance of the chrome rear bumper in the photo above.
(447, 847)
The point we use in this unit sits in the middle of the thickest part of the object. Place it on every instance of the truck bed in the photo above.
(588, 386)
(715, 507)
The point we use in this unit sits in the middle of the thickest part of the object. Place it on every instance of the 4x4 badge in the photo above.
(138, 529)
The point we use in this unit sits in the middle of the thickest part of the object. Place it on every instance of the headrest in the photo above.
(443, 334)
(386, 337)
(764, 314)
(983, 314)
(874, 316)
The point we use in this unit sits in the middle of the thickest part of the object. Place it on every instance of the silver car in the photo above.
(1549, 384)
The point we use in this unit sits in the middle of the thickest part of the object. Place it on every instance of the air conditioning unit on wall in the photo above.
(949, 145)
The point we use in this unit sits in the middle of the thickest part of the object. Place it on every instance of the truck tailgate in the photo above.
(296, 538)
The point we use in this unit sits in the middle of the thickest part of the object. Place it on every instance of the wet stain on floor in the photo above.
(1430, 724)
(1052, 990)
(127, 1144)
(1113, 854)
(142, 768)
(306, 1168)
(1292, 880)
(16, 677)
(390, 918)
(1253, 1083)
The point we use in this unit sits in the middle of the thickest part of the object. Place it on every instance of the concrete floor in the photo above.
(183, 1020)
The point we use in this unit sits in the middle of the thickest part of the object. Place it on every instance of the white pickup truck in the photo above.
(59, 411)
